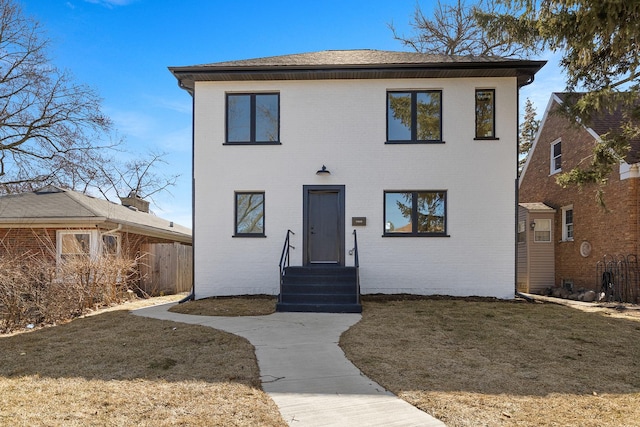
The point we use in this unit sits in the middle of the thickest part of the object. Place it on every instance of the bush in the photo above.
(33, 290)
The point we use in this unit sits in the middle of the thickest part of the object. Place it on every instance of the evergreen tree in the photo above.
(598, 41)
(528, 131)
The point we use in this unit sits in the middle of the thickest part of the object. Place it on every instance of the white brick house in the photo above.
(421, 148)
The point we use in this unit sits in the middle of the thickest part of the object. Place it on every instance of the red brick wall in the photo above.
(612, 231)
(19, 241)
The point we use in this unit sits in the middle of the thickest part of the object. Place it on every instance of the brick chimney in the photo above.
(135, 202)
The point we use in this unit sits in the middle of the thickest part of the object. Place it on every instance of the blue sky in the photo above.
(122, 49)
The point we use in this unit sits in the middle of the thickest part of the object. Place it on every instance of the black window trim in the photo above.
(235, 215)
(414, 214)
(252, 124)
(493, 118)
(414, 117)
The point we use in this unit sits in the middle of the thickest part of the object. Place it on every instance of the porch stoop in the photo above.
(321, 289)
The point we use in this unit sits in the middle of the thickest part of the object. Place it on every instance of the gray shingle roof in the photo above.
(53, 205)
(357, 64)
(353, 57)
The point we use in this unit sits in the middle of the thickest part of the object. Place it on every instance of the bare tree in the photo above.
(135, 177)
(47, 122)
(454, 30)
(52, 130)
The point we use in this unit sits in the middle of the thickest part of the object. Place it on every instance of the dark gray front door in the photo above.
(324, 225)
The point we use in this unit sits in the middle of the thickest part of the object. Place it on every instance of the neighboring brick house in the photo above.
(58, 223)
(416, 152)
(583, 232)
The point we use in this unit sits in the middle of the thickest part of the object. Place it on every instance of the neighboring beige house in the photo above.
(535, 247)
(60, 223)
(417, 153)
(589, 241)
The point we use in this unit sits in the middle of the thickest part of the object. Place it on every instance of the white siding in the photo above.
(342, 124)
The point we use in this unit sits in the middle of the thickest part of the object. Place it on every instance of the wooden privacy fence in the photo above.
(166, 268)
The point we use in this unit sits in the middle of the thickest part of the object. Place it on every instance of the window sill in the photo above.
(252, 143)
(251, 236)
(492, 138)
(413, 142)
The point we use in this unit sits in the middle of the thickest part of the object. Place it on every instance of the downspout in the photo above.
(192, 295)
(115, 230)
(517, 188)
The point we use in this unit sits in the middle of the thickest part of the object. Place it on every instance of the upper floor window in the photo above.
(415, 213)
(249, 214)
(556, 157)
(567, 223)
(253, 118)
(414, 116)
(485, 114)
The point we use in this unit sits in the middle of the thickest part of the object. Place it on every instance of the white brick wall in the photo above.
(342, 124)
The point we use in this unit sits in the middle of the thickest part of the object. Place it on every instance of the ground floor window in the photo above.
(567, 223)
(86, 244)
(415, 213)
(74, 245)
(542, 230)
(522, 231)
(249, 213)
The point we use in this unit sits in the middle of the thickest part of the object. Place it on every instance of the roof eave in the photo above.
(523, 70)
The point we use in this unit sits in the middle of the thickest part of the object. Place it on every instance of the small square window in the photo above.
(542, 230)
(485, 114)
(414, 116)
(249, 214)
(74, 245)
(253, 118)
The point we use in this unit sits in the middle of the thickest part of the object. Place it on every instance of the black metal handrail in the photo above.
(356, 263)
(284, 259)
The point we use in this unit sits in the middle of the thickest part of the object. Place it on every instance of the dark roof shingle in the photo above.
(357, 64)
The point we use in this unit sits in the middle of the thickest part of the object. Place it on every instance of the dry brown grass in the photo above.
(498, 363)
(254, 305)
(118, 369)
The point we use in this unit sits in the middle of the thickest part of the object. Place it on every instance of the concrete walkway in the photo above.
(306, 373)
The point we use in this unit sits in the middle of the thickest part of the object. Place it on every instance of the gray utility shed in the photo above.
(536, 268)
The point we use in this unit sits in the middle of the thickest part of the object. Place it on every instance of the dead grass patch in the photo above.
(500, 363)
(253, 305)
(118, 369)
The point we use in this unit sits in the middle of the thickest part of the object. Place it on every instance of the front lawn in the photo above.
(500, 363)
(117, 369)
